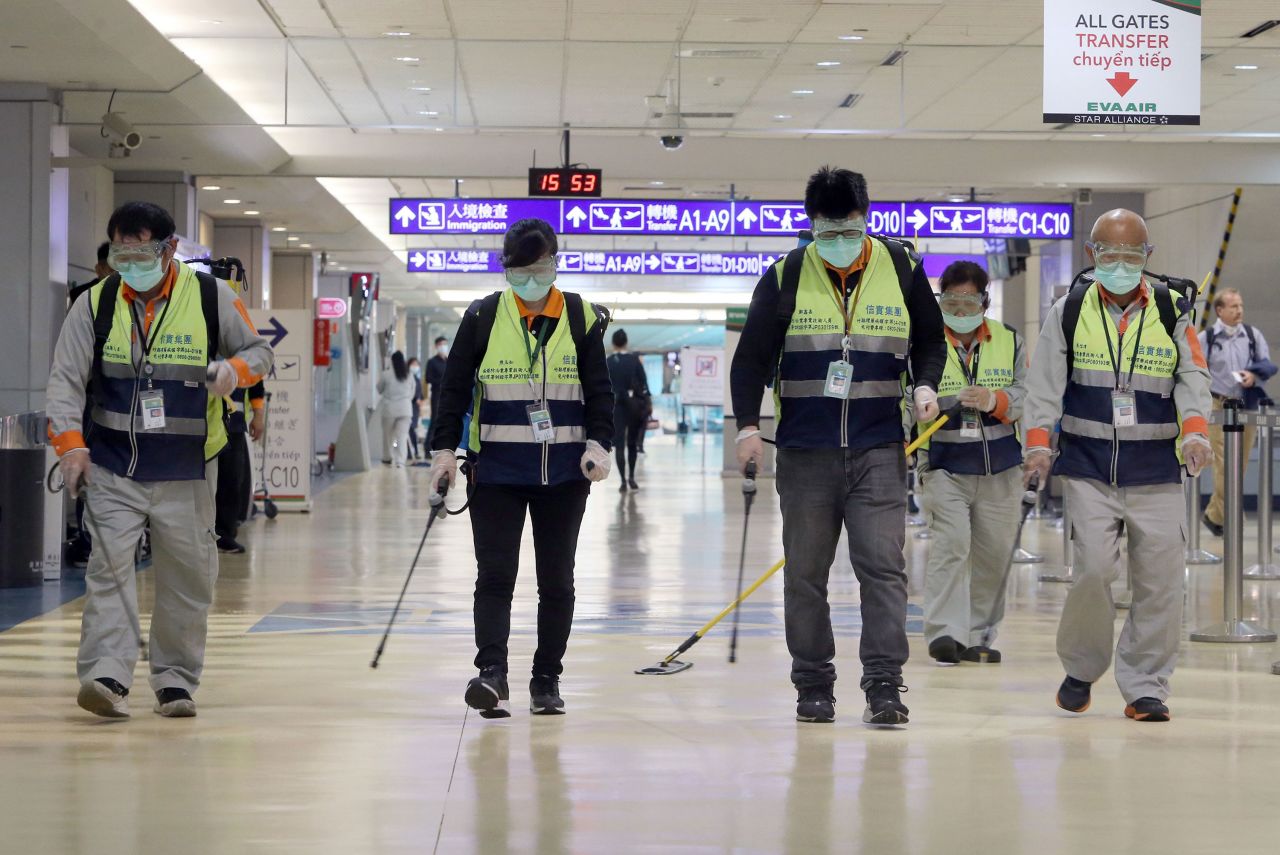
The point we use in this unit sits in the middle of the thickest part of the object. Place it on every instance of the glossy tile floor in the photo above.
(301, 748)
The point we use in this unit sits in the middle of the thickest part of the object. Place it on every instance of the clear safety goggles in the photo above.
(135, 253)
(1105, 254)
(543, 272)
(854, 228)
(960, 304)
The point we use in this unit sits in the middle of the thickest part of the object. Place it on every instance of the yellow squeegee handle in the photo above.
(928, 432)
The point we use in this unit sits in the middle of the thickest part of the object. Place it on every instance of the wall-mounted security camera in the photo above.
(671, 142)
(127, 135)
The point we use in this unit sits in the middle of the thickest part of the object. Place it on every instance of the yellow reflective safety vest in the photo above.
(877, 345)
(1144, 362)
(997, 446)
(516, 375)
(183, 340)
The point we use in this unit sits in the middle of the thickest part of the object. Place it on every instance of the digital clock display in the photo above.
(565, 182)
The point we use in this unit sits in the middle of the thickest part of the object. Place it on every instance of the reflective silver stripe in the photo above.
(815, 389)
(521, 392)
(993, 432)
(834, 341)
(524, 433)
(1103, 430)
(172, 426)
(1103, 379)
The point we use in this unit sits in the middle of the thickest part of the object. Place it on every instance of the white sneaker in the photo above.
(175, 703)
(107, 700)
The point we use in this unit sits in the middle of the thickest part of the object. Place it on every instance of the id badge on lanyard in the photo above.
(1124, 408)
(970, 425)
(839, 379)
(152, 403)
(540, 421)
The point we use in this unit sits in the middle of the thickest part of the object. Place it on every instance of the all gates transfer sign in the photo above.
(1122, 62)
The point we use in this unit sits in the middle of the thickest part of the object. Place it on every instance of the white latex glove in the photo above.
(74, 466)
(979, 397)
(1038, 462)
(750, 446)
(596, 455)
(926, 403)
(444, 467)
(1197, 453)
(223, 379)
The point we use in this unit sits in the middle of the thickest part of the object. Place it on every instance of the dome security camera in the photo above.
(671, 142)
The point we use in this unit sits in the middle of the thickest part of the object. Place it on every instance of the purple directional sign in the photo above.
(649, 263)
(655, 218)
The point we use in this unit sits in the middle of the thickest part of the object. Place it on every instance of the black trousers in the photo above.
(235, 476)
(497, 522)
(628, 427)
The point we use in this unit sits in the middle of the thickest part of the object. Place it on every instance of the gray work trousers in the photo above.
(184, 569)
(863, 491)
(1154, 522)
(974, 520)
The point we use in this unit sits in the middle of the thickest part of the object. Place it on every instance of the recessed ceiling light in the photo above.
(211, 187)
(231, 201)
(1097, 135)
(428, 112)
(398, 33)
(1246, 68)
(408, 59)
(781, 117)
(828, 63)
(801, 91)
(850, 38)
(419, 88)
(211, 22)
(439, 130)
(252, 213)
(657, 183)
(279, 229)
(305, 245)
(293, 237)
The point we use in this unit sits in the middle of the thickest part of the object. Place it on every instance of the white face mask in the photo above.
(443, 350)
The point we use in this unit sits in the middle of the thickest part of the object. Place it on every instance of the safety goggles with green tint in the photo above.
(543, 272)
(1117, 253)
(135, 253)
(961, 304)
(854, 228)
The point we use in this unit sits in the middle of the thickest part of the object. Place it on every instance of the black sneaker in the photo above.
(981, 654)
(544, 696)
(488, 693)
(229, 546)
(884, 706)
(105, 697)
(946, 650)
(623, 488)
(816, 704)
(1214, 528)
(1147, 709)
(1073, 695)
(632, 483)
(175, 703)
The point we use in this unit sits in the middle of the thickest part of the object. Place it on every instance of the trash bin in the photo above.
(22, 455)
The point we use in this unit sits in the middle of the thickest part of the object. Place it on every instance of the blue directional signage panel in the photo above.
(656, 218)
(601, 262)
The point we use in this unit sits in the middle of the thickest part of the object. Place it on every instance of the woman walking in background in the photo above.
(395, 392)
(631, 407)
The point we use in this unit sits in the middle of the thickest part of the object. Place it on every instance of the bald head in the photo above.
(1119, 226)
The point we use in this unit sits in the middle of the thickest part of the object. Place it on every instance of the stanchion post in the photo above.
(1194, 554)
(1233, 627)
(1068, 556)
(1264, 570)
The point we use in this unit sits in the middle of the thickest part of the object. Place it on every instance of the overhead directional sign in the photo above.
(650, 217)
(1122, 62)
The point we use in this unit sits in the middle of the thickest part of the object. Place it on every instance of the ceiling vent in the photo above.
(1260, 29)
(729, 53)
(894, 57)
(658, 114)
(851, 99)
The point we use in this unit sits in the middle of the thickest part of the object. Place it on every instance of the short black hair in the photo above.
(133, 218)
(960, 272)
(527, 241)
(440, 339)
(104, 249)
(619, 338)
(835, 193)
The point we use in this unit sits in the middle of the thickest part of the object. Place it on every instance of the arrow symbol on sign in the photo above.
(917, 219)
(747, 218)
(276, 332)
(1122, 83)
(417, 259)
(406, 216)
(576, 215)
(652, 262)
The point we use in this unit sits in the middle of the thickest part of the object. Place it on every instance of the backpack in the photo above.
(486, 312)
(901, 251)
(1211, 335)
(1164, 289)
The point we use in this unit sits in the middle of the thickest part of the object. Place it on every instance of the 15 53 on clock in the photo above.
(565, 181)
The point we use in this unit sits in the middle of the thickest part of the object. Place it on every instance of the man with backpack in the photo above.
(1239, 363)
(834, 323)
(1118, 366)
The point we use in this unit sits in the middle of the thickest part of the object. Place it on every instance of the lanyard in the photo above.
(536, 349)
(1111, 353)
(970, 372)
(148, 341)
(847, 312)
